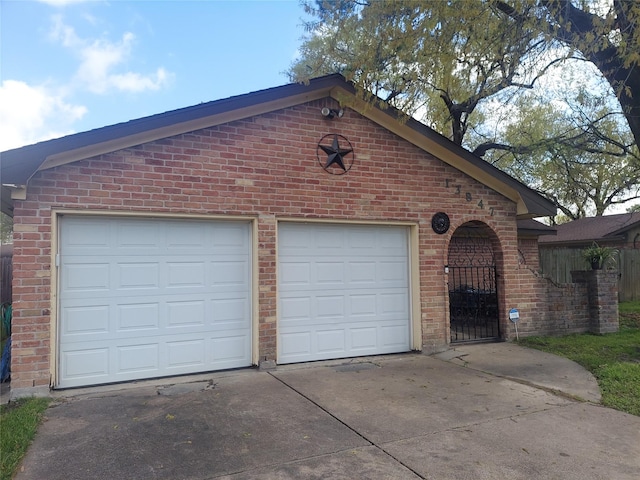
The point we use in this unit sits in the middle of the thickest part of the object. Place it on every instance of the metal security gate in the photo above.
(473, 295)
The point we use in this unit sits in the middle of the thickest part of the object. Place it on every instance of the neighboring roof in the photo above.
(18, 165)
(533, 227)
(594, 229)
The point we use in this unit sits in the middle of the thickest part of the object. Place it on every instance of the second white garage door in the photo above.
(143, 298)
(343, 291)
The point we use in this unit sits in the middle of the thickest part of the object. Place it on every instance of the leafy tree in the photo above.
(606, 33)
(574, 151)
(634, 208)
(403, 52)
(466, 68)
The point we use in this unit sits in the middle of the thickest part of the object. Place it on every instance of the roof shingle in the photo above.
(593, 229)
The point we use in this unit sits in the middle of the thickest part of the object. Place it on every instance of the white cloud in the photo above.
(31, 113)
(27, 114)
(100, 59)
(61, 3)
(64, 33)
(134, 82)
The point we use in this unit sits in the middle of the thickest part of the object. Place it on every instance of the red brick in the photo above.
(275, 158)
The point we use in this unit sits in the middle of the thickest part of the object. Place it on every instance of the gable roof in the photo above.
(594, 229)
(20, 164)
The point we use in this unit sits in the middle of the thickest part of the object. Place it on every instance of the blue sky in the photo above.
(69, 66)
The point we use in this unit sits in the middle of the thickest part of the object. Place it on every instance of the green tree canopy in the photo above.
(467, 67)
(604, 32)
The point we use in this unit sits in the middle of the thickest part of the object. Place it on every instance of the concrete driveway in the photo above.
(398, 417)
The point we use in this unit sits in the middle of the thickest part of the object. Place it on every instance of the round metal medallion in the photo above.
(440, 223)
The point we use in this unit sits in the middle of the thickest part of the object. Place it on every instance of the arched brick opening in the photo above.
(476, 299)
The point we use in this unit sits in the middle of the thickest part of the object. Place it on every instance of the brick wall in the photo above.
(264, 167)
(589, 304)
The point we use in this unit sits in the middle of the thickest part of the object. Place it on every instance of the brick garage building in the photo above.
(286, 225)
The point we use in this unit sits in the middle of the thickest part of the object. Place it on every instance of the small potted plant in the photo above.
(596, 256)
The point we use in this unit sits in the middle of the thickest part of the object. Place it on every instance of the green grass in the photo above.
(19, 421)
(629, 307)
(614, 358)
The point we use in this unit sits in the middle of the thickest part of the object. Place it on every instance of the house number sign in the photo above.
(467, 195)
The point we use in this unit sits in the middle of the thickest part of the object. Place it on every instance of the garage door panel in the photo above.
(339, 285)
(230, 311)
(90, 237)
(297, 241)
(233, 240)
(137, 237)
(188, 238)
(295, 344)
(329, 273)
(87, 363)
(362, 273)
(329, 306)
(138, 358)
(88, 277)
(229, 274)
(362, 305)
(186, 274)
(137, 317)
(294, 309)
(393, 273)
(394, 241)
(91, 363)
(394, 335)
(331, 341)
(360, 241)
(85, 320)
(394, 303)
(229, 349)
(295, 273)
(136, 275)
(186, 313)
(190, 303)
(186, 353)
(365, 338)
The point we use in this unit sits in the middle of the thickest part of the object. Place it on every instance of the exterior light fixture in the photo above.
(332, 112)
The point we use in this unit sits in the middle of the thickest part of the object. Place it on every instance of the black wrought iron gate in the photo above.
(473, 297)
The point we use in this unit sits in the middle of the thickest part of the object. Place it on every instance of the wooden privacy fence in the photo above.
(557, 264)
(6, 268)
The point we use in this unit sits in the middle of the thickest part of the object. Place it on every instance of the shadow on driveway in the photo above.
(398, 417)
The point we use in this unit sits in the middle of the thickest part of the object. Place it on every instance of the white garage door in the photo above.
(143, 298)
(343, 291)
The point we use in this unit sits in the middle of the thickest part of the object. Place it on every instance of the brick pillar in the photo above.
(267, 291)
(602, 293)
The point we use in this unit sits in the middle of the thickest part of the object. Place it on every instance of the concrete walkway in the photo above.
(393, 417)
(528, 366)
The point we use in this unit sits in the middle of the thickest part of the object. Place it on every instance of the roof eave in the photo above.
(529, 204)
(20, 164)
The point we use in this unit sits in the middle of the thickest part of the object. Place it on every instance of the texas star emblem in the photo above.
(335, 162)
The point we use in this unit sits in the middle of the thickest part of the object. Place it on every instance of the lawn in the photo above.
(19, 421)
(614, 358)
